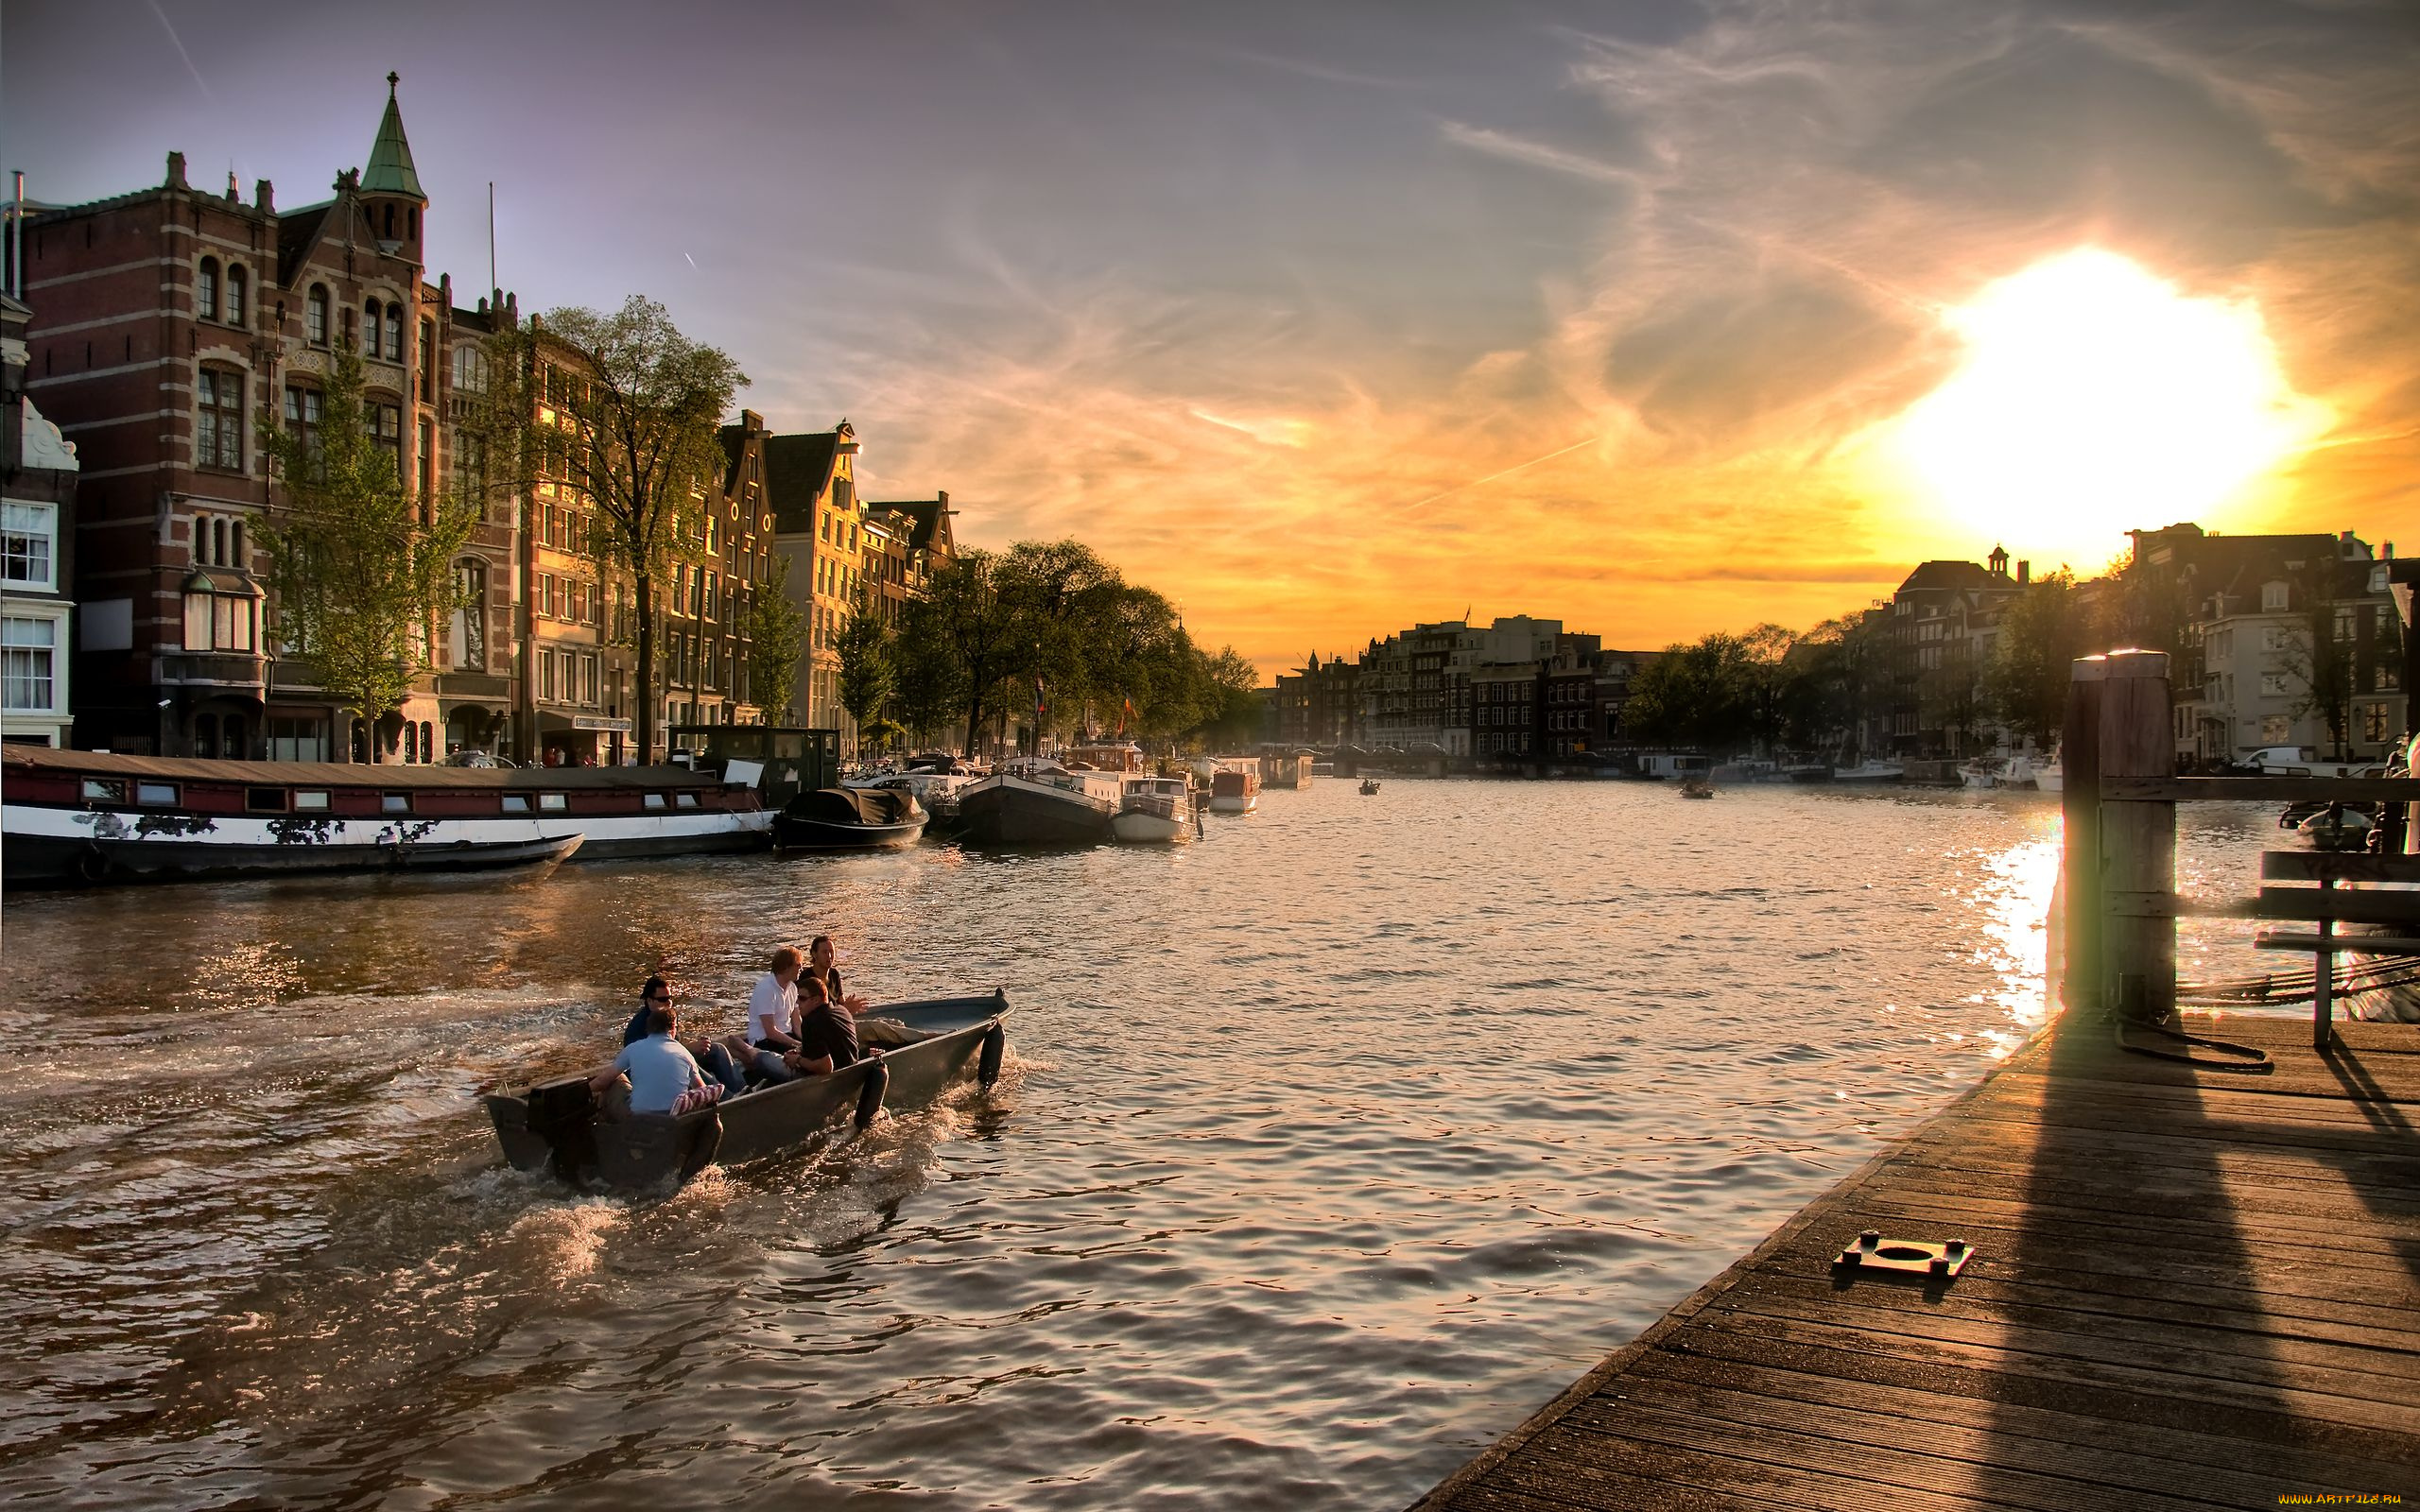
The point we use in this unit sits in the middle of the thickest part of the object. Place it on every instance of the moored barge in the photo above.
(92, 816)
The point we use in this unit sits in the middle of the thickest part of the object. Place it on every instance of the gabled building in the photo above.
(167, 320)
(38, 472)
(1945, 623)
(819, 529)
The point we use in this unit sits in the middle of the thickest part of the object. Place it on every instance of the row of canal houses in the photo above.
(145, 334)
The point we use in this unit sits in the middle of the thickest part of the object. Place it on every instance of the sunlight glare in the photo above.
(2095, 397)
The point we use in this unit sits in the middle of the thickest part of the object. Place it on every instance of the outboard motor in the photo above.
(564, 1113)
(996, 1049)
(870, 1097)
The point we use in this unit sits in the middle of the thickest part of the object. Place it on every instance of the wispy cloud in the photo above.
(178, 44)
(1531, 154)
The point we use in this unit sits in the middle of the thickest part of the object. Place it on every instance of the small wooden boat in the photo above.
(556, 1126)
(849, 818)
(1369, 786)
(1697, 787)
(2330, 826)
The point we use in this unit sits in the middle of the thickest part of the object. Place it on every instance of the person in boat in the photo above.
(772, 1015)
(827, 1033)
(662, 1076)
(714, 1057)
(822, 961)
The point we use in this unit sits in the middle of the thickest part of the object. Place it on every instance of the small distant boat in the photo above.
(1369, 786)
(1234, 786)
(1697, 787)
(1982, 772)
(1155, 810)
(1870, 771)
(2330, 826)
(850, 818)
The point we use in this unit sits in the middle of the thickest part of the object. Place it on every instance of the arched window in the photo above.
(369, 328)
(236, 546)
(205, 290)
(427, 741)
(470, 628)
(315, 315)
(394, 333)
(234, 293)
(219, 541)
(389, 231)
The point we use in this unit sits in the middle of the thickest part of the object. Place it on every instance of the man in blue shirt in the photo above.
(665, 1077)
(715, 1060)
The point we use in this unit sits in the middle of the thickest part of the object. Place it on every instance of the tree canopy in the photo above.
(362, 569)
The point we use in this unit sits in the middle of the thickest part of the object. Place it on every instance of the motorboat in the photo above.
(934, 779)
(558, 1126)
(2330, 825)
(1808, 772)
(1034, 801)
(850, 818)
(1696, 787)
(2049, 776)
(1870, 771)
(1369, 786)
(1982, 772)
(1155, 810)
(1234, 786)
(94, 817)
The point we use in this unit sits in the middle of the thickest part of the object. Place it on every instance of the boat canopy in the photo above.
(854, 805)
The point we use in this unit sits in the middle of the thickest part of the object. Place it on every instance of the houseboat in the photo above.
(1290, 771)
(1034, 801)
(74, 816)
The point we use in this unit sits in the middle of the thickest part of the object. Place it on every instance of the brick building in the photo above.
(819, 526)
(166, 320)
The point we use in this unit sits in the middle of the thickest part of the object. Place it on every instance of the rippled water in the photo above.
(1329, 1148)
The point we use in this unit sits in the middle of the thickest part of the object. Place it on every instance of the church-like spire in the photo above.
(391, 170)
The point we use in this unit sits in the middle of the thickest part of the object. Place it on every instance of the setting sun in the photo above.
(2095, 397)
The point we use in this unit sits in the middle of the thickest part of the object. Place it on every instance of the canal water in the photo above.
(1328, 1149)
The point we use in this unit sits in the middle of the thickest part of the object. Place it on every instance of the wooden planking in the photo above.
(2190, 1289)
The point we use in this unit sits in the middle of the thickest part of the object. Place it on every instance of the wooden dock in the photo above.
(2189, 1289)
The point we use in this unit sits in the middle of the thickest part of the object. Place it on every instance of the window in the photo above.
(155, 792)
(2344, 625)
(427, 461)
(428, 361)
(29, 536)
(550, 804)
(219, 433)
(394, 333)
(298, 738)
(315, 315)
(263, 800)
(310, 801)
(205, 290)
(471, 468)
(686, 801)
(2272, 597)
(397, 802)
(103, 790)
(588, 678)
(369, 329)
(386, 432)
(2373, 722)
(302, 417)
(516, 802)
(2272, 685)
(28, 659)
(469, 647)
(470, 371)
(234, 293)
(216, 621)
(546, 676)
(652, 801)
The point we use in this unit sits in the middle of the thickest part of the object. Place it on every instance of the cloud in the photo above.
(1533, 154)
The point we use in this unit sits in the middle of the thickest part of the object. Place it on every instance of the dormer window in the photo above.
(2272, 597)
(205, 290)
(315, 315)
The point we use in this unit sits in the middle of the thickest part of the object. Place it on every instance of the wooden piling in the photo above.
(2079, 804)
(2137, 837)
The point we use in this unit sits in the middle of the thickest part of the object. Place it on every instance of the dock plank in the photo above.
(2190, 1289)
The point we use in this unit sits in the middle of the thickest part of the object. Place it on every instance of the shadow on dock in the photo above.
(2190, 1289)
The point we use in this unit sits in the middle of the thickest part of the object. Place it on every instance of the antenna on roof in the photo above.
(492, 279)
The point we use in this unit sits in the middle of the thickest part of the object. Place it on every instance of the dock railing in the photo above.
(2119, 873)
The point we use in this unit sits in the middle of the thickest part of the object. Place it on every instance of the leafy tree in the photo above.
(2318, 653)
(2042, 631)
(973, 635)
(1717, 693)
(1836, 682)
(638, 407)
(776, 639)
(866, 675)
(362, 569)
(1230, 695)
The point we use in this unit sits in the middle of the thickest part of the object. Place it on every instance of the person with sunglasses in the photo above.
(712, 1056)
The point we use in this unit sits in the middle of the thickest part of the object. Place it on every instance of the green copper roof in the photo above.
(390, 161)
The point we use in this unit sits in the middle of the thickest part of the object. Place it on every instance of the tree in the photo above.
(637, 407)
(2042, 631)
(2317, 653)
(866, 673)
(1718, 695)
(362, 571)
(776, 639)
(970, 632)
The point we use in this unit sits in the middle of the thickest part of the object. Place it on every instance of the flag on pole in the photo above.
(1041, 705)
(1124, 715)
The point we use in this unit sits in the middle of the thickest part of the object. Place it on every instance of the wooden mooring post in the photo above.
(2119, 867)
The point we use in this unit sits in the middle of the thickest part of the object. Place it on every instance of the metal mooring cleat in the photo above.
(1906, 1257)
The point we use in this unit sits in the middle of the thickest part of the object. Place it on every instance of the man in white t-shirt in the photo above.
(773, 1013)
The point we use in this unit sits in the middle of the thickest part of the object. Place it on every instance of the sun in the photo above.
(2095, 397)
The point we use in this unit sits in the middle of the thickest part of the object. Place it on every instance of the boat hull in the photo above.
(1136, 826)
(62, 846)
(1010, 811)
(645, 1151)
(793, 833)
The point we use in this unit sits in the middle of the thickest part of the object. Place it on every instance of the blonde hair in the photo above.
(787, 956)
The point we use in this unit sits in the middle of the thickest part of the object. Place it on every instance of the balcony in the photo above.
(235, 669)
